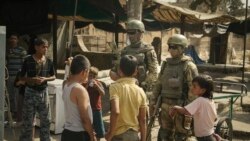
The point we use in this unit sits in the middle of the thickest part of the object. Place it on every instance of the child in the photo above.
(96, 90)
(128, 104)
(78, 113)
(202, 109)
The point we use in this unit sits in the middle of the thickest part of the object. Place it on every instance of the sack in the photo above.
(183, 125)
(187, 122)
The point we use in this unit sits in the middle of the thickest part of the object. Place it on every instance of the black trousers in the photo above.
(206, 138)
(68, 135)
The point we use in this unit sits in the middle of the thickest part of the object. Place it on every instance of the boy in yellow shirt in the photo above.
(128, 104)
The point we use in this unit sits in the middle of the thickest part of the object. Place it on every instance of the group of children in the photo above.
(82, 102)
(82, 92)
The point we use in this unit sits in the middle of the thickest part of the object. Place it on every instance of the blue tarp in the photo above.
(192, 53)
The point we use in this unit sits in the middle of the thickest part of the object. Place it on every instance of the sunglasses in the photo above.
(173, 47)
(132, 32)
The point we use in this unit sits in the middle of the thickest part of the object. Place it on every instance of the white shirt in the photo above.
(73, 121)
(204, 113)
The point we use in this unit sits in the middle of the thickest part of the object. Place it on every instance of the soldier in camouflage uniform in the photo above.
(145, 54)
(173, 84)
(36, 71)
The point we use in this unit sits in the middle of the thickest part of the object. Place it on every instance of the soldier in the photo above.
(173, 84)
(145, 54)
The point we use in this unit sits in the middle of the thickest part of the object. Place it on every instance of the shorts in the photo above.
(206, 138)
(129, 135)
(98, 124)
(68, 135)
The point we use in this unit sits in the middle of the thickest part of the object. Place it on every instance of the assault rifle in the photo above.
(152, 118)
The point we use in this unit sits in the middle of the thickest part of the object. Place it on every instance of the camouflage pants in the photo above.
(171, 128)
(35, 101)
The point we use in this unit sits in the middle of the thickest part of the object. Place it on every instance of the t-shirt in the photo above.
(131, 98)
(204, 114)
(95, 97)
(73, 120)
(15, 57)
(30, 68)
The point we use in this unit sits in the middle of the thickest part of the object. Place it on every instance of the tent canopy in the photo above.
(174, 14)
(17, 15)
(88, 10)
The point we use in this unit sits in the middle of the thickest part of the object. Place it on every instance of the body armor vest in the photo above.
(140, 54)
(174, 84)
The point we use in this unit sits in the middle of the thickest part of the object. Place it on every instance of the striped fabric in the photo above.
(15, 57)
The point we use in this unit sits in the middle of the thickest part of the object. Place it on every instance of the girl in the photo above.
(202, 108)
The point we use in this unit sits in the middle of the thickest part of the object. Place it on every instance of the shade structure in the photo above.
(88, 10)
(174, 14)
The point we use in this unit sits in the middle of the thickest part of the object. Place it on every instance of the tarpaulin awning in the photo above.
(174, 14)
(239, 27)
(25, 17)
(88, 10)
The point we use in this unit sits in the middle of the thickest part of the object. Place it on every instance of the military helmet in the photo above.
(136, 24)
(178, 39)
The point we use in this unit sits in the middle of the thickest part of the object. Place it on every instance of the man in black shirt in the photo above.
(36, 71)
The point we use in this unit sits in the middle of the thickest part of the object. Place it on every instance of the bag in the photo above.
(187, 122)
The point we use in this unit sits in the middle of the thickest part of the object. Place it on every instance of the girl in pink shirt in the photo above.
(202, 108)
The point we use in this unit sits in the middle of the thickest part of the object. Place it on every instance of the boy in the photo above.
(96, 91)
(128, 104)
(78, 113)
(36, 71)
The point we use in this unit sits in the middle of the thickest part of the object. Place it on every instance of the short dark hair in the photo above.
(128, 65)
(79, 63)
(40, 41)
(14, 34)
(205, 82)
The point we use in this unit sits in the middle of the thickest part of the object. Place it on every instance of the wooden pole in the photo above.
(116, 31)
(245, 42)
(134, 8)
(55, 38)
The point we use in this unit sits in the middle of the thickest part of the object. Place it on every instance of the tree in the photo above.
(235, 5)
(231, 5)
(212, 4)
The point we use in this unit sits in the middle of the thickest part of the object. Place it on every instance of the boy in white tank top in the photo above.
(78, 113)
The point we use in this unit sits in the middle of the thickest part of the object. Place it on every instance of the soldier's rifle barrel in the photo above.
(152, 118)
